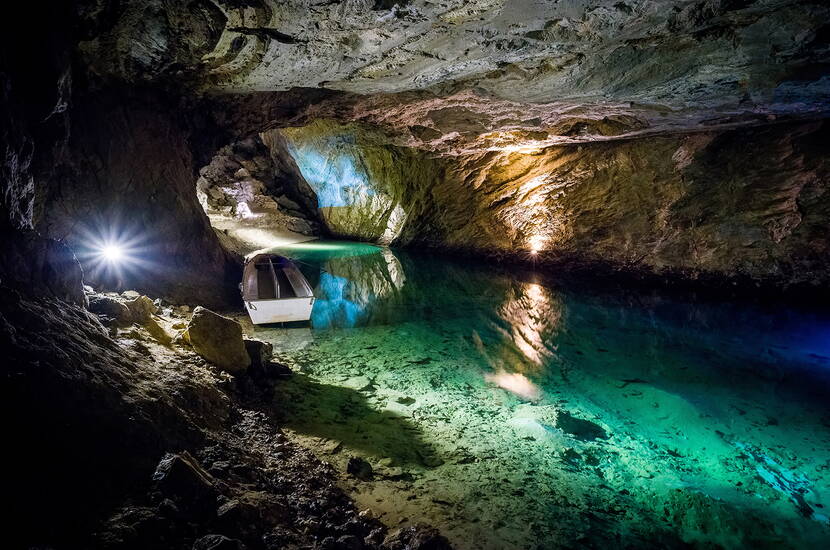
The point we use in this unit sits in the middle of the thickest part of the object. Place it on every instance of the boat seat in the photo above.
(266, 286)
(286, 290)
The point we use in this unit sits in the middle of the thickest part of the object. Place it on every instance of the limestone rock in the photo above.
(141, 308)
(181, 477)
(218, 339)
(700, 54)
(157, 331)
(260, 352)
(112, 308)
(651, 206)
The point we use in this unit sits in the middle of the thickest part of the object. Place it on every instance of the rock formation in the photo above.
(217, 339)
(595, 134)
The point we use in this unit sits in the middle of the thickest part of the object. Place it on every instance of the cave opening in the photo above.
(407, 275)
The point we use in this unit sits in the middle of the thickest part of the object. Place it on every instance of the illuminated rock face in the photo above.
(243, 181)
(739, 203)
(360, 180)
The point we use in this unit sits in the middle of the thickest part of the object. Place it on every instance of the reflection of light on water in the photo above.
(536, 294)
(352, 287)
(345, 249)
(394, 268)
(516, 383)
(332, 308)
(531, 318)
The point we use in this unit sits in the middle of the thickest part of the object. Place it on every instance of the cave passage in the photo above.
(541, 275)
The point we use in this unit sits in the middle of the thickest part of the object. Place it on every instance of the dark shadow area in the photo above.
(344, 414)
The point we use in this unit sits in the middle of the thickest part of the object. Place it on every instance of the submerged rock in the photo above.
(581, 429)
(218, 339)
(359, 468)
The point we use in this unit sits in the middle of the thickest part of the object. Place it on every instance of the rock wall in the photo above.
(360, 180)
(245, 181)
(456, 125)
(86, 162)
(33, 124)
(742, 203)
(735, 203)
(127, 176)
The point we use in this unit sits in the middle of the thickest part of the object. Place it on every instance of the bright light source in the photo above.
(112, 253)
(536, 243)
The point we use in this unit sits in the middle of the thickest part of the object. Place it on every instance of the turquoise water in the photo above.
(515, 412)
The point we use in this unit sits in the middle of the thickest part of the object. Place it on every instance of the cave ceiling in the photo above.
(457, 76)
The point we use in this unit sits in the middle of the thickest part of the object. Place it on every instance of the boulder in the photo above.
(141, 308)
(218, 339)
(285, 202)
(181, 478)
(111, 308)
(359, 468)
(260, 352)
(157, 331)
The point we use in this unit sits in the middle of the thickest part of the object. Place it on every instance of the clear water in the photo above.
(517, 413)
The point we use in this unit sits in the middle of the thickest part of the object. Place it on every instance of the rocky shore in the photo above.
(133, 439)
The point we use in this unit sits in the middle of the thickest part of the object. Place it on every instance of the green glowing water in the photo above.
(513, 413)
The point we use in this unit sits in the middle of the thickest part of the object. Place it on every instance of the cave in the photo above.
(416, 274)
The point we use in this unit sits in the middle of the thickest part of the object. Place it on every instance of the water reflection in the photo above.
(605, 401)
(521, 326)
(517, 384)
(531, 316)
(354, 290)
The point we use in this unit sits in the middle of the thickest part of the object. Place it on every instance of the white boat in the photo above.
(274, 290)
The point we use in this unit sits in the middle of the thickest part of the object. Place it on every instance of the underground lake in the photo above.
(514, 411)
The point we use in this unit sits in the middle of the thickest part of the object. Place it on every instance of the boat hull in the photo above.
(279, 311)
